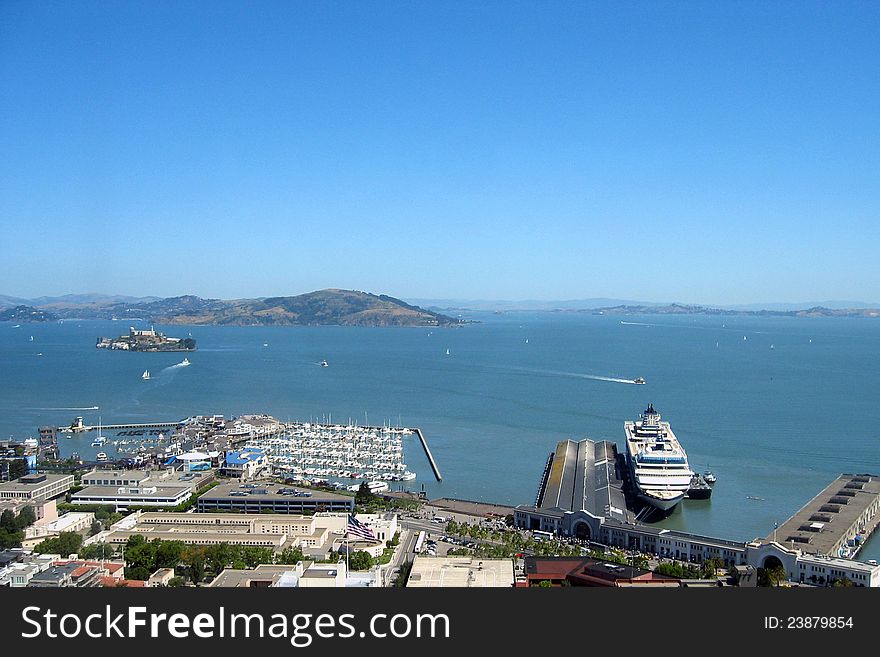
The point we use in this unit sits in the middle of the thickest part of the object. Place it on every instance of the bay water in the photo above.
(776, 407)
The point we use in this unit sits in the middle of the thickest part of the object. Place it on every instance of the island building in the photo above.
(581, 494)
(270, 497)
(460, 572)
(123, 488)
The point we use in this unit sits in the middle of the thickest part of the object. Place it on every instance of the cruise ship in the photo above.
(657, 461)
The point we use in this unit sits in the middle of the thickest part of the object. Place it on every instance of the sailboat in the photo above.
(99, 439)
(146, 375)
(32, 338)
(447, 352)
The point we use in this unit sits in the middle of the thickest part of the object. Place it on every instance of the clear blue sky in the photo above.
(691, 151)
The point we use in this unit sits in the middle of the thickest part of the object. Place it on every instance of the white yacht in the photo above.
(146, 375)
(657, 461)
(101, 457)
(184, 362)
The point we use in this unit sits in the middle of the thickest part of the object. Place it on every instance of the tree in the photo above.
(361, 560)
(545, 584)
(26, 517)
(64, 544)
(364, 496)
(168, 553)
(289, 555)
(194, 559)
(95, 528)
(176, 582)
(99, 551)
(7, 521)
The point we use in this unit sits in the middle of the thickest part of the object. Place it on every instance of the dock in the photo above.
(838, 521)
(428, 454)
(85, 428)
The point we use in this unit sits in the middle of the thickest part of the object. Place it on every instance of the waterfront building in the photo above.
(581, 487)
(245, 464)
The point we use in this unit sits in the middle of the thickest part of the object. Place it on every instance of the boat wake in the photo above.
(67, 408)
(574, 375)
(636, 324)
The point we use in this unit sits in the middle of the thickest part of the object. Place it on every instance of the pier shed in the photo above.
(580, 488)
(837, 521)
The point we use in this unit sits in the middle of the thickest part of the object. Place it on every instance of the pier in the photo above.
(428, 454)
(85, 428)
(838, 521)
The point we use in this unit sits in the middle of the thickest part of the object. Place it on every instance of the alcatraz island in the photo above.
(147, 340)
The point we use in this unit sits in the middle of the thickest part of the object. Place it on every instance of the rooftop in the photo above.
(820, 525)
(268, 491)
(583, 477)
(457, 572)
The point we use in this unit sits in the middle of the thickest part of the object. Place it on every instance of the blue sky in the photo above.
(699, 152)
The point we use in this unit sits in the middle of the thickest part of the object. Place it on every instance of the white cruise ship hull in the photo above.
(665, 504)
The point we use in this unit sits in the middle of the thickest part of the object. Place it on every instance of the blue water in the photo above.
(776, 424)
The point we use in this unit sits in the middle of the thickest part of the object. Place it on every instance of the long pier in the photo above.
(111, 427)
(428, 454)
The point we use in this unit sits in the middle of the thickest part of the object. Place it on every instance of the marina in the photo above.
(335, 452)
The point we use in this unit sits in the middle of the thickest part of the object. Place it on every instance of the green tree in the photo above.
(26, 517)
(97, 551)
(168, 554)
(289, 555)
(193, 558)
(7, 521)
(361, 560)
(176, 582)
(64, 544)
(545, 584)
(364, 496)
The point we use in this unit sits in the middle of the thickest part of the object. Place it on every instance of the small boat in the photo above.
(101, 457)
(709, 477)
(699, 489)
(146, 375)
(324, 363)
(32, 338)
(184, 362)
(265, 344)
(17, 326)
(639, 381)
(447, 352)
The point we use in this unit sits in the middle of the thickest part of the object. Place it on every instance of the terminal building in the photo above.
(582, 494)
(581, 488)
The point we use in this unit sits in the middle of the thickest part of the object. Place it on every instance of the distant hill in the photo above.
(26, 314)
(682, 309)
(324, 307)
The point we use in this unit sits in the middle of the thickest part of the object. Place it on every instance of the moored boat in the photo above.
(658, 463)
